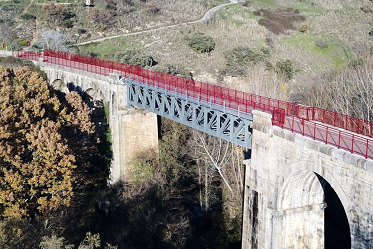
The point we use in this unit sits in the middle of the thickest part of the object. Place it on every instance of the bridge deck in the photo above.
(319, 124)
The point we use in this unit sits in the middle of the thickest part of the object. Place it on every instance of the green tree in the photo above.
(36, 158)
(285, 68)
(136, 57)
(201, 43)
(240, 59)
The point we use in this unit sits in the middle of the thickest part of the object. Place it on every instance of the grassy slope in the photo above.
(236, 25)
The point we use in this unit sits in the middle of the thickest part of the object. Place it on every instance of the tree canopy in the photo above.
(36, 155)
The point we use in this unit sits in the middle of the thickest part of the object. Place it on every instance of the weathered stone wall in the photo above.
(133, 131)
(284, 205)
(138, 133)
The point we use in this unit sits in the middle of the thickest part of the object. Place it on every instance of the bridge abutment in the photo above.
(301, 193)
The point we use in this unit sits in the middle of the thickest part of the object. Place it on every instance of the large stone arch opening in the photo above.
(59, 85)
(311, 214)
(337, 229)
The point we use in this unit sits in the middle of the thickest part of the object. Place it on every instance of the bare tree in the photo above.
(8, 34)
(53, 40)
(348, 90)
(217, 158)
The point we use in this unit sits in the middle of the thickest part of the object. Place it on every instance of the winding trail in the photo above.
(208, 15)
(17, 18)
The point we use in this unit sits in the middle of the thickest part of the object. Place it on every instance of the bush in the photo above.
(322, 43)
(303, 28)
(28, 17)
(111, 5)
(285, 68)
(22, 42)
(82, 31)
(256, 12)
(371, 32)
(68, 24)
(152, 7)
(12, 7)
(135, 57)
(266, 51)
(201, 43)
(177, 70)
(239, 59)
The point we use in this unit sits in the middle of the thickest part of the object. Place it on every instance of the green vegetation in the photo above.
(177, 69)
(286, 68)
(135, 57)
(240, 59)
(201, 43)
(107, 49)
(237, 14)
(328, 47)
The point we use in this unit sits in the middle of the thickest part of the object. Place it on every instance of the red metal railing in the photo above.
(29, 55)
(330, 135)
(297, 118)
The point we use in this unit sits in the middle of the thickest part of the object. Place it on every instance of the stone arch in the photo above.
(307, 195)
(318, 169)
(292, 193)
(93, 98)
(59, 85)
(92, 93)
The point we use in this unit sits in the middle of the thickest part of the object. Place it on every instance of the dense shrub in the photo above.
(82, 31)
(239, 59)
(68, 24)
(303, 28)
(135, 57)
(201, 43)
(111, 5)
(152, 7)
(371, 32)
(285, 68)
(177, 70)
(12, 7)
(22, 42)
(28, 17)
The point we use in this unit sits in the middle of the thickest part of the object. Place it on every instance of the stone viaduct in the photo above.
(299, 193)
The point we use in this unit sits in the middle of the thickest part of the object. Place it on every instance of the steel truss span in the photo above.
(206, 117)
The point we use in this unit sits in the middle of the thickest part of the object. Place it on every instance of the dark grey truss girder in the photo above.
(213, 119)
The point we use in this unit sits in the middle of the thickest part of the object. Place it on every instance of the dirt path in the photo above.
(208, 15)
(17, 18)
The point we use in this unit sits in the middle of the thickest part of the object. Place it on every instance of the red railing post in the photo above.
(326, 140)
(303, 126)
(292, 126)
(339, 139)
(314, 131)
(366, 153)
(352, 149)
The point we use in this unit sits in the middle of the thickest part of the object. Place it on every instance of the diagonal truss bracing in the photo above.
(206, 117)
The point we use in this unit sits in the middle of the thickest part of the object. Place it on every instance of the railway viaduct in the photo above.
(299, 192)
